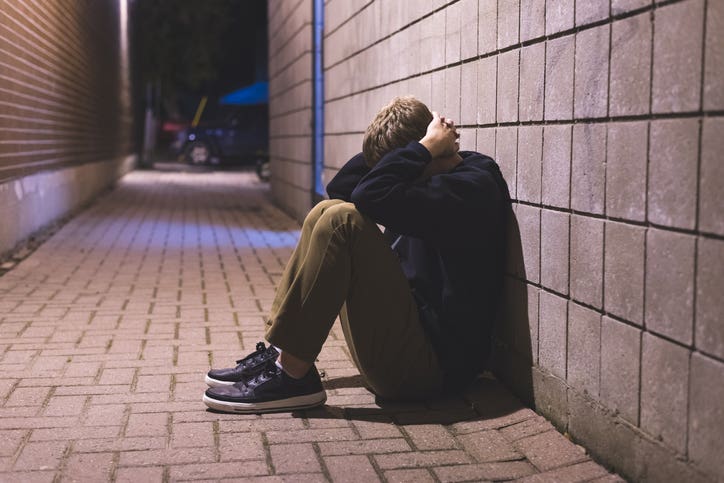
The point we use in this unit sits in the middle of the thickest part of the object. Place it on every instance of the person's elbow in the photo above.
(359, 198)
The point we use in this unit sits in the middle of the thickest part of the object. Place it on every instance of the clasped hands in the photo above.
(441, 138)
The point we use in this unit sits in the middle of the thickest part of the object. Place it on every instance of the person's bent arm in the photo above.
(347, 178)
(395, 193)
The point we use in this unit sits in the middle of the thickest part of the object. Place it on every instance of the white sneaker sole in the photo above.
(289, 404)
(211, 382)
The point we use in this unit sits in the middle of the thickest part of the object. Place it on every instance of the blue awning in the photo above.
(257, 93)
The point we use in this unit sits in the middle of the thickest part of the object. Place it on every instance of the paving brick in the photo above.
(626, 156)
(630, 83)
(552, 330)
(711, 197)
(134, 475)
(559, 15)
(105, 438)
(508, 23)
(579, 472)
(587, 260)
(620, 366)
(506, 143)
(528, 219)
(369, 446)
(591, 69)
(30, 476)
(664, 405)
(41, 455)
(350, 468)
(240, 446)
(672, 187)
(588, 168)
(624, 271)
(555, 230)
(294, 458)
(532, 19)
(508, 73)
(556, 185)
(11, 441)
(550, 450)
(167, 457)
(421, 459)
(670, 284)
(429, 437)
(523, 429)
(147, 424)
(311, 435)
(709, 286)
(408, 476)
(64, 406)
(117, 376)
(90, 466)
(676, 84)
(377, 427)
(487, 26)
(488, 446)
(714, 57)
(487, 90)
(215, 471)
(584, 351)
(27, 397)
(706, 419)
(187, 435)
(532, 70)
(530, 147)
(559, 77)
(504, 470)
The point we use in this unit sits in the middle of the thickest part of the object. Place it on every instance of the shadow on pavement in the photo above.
(485, 399)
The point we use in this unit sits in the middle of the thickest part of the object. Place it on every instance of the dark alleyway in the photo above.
(107, 329)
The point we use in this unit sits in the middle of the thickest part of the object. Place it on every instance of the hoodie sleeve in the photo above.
(346, 180)
(394, 195)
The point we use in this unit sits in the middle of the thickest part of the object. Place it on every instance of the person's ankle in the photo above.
(293, 366)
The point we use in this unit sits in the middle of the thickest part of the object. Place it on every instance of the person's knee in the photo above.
(316, 212)
(343, 214)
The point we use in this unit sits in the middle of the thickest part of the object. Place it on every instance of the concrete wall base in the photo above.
(611, 440)
(30, 203)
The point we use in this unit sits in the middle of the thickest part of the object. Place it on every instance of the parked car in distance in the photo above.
(239, 135)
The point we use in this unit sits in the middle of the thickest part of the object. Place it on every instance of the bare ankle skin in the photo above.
(293, 366)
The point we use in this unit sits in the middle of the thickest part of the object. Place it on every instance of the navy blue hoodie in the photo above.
(449, 233)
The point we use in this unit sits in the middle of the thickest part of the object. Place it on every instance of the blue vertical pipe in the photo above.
(318, 98)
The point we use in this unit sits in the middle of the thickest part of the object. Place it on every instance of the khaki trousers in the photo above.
(343, 265)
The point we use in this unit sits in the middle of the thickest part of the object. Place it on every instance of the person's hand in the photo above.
(441, 138)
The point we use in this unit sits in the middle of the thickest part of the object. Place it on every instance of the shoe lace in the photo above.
(269, 371)
(254, 357)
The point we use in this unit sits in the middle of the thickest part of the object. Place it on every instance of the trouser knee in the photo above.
(342, 214)
(318, 210)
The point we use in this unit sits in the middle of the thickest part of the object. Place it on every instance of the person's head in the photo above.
(403, 120)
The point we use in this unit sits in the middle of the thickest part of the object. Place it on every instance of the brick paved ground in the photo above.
(107, 330)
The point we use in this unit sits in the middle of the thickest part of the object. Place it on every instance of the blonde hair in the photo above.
(403, 120)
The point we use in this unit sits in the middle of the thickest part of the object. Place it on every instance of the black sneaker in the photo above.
(246, 367)
(268, 391)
